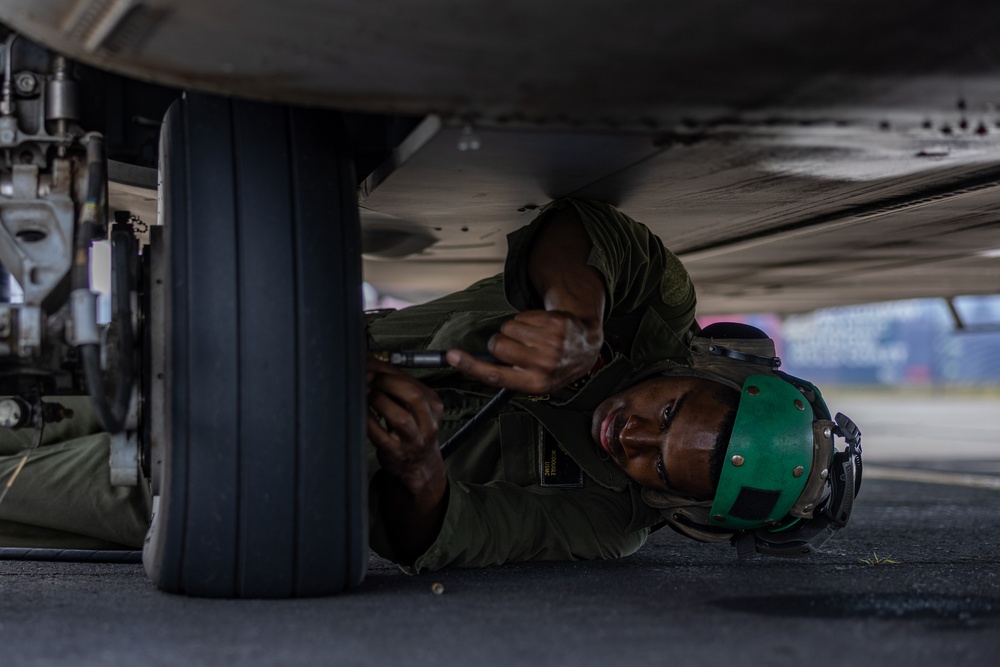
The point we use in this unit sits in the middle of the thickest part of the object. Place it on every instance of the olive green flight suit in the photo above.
(63, 499)
(532, 484)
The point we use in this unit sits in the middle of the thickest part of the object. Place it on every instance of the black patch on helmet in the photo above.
(754, 504)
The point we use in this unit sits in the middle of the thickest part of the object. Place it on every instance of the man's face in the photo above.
(662, 431)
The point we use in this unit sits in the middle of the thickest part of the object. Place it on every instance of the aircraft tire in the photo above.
(262, 486)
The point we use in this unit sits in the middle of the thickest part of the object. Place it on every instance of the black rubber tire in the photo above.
(263, 487)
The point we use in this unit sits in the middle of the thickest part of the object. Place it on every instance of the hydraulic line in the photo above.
(112, 416)
(90, 218)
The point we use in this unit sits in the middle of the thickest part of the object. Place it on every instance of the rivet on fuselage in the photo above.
(753, 391)
(798, 471)
(799, 404)
(737, 460)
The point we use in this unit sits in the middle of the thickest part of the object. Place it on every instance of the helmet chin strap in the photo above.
(685, 515)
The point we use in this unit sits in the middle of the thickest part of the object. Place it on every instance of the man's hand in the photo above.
(545, 350)
(416, 484)
(549, 349)
(408, 444)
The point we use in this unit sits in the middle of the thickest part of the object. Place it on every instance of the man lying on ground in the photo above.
(624, 417)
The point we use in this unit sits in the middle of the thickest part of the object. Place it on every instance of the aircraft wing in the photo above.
(794, 154)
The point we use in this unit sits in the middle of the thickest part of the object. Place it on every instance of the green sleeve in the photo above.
(637, 270)
(463, 320)
(500, 522)
(63, 498)
(651, 299)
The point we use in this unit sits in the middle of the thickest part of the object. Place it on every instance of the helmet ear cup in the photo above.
(842, 493)
(848, 430)
(845, 481)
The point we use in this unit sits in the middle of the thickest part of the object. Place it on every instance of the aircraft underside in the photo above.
(794, 156)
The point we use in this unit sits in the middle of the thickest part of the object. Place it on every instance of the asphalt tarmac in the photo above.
(914, 580)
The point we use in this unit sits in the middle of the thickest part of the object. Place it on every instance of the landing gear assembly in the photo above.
(231, 373)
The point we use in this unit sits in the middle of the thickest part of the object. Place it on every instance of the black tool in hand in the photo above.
(436, 359)
(421, 358)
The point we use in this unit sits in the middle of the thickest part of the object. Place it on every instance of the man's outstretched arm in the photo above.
(545, 350)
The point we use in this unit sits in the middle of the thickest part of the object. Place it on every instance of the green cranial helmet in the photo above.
(784, 489)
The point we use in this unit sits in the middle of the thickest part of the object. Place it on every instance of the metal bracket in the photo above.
(36, 233)
(124, 459)
(29, 331)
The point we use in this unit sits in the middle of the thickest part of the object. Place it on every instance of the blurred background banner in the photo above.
(900, 343)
